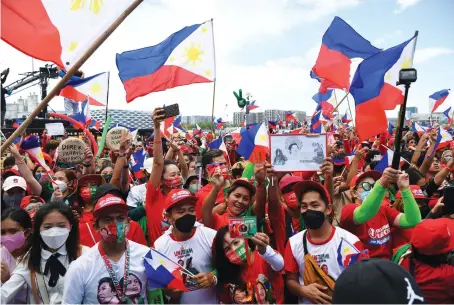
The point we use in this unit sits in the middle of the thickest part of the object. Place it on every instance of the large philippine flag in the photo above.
(185, 57)
(94, 88)
(59, 31)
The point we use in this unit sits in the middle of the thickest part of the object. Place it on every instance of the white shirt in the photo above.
(88, 282)
(195, 255)
(136, 194)
(21, 276)
(326, 255)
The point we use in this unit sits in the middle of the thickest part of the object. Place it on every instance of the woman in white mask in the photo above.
(54, 245)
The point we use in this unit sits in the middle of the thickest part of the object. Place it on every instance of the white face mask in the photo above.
(55, 237)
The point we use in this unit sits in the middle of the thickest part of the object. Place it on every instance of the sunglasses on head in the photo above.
(367, 186)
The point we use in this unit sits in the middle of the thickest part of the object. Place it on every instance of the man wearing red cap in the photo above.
(189, 244)
(321, 244)
(113, 271)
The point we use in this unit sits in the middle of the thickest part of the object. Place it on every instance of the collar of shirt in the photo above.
(45, 254)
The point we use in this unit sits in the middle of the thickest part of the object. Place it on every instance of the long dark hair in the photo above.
(23, 219)
(227, 273)
(72, 243)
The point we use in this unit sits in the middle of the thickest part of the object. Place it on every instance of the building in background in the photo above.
(195, 119)
(129, 118)
(268, 115)
(22, 107)
(412, 110)
(427, 119)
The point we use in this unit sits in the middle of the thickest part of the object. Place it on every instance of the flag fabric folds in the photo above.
(325, 100)
(386, 161)
(162, 272)
(443, 139)
(32, 147)
(254, 143)
(185, 57)
(366, 88)
(218, 144)
(252, 106)
(340, 45)
(55, 30)
(137, 160)
(346, 118)
(218, 123)
(317, 122)
(272, 125)
(96, 87)
(436, 99)
(83, 115)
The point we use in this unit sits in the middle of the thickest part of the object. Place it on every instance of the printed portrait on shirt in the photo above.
(107, 293)
(324, 268)
(184, 258)
(260, 292)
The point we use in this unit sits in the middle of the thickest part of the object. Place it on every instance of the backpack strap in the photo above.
(305, 243)
(34, 288)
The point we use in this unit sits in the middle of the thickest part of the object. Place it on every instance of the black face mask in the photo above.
(185, 223)
(313, 219)
(108, 177)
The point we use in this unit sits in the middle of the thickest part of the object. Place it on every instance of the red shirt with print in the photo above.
(89, 236)
(374, 233)
(155, 212)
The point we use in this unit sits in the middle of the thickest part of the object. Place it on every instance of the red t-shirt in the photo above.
(375, 234)
(89, 236)
(155, 212)
(201, 195)
(400, 236)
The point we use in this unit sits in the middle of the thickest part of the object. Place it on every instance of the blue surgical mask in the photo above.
(38, 176)
(364, 195)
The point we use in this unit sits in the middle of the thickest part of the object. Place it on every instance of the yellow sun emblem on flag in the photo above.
(72, 46)
(406, 63)
(193, 54)
(95, 5)
(95, 88)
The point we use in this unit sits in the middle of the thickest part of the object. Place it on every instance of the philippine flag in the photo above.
(346, 118)
(31, 146)
(443, 139)
(96, 87)
(252, 106)
(386, 161)
(347, 254)
(137, 160)
(317, 122)
(341, 46)
(218, 144)
(436, 99)
(55, 30)
(325, 100)
(218, 123)
(83, 115)
(254, 143)
(185, 57)
(367, 90)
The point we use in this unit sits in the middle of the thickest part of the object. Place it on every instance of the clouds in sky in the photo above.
(404, 4)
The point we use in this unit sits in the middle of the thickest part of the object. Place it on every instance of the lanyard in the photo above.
(118, 289)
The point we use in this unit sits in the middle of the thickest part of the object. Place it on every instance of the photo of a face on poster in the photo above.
(296, 152)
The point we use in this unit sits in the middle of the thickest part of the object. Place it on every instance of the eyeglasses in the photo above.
(367, 186)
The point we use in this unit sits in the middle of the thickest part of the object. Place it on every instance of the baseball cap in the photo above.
(177, 196)
(376, 281)
(10, 172)
(373, 174)
(27, 200)
(303, 186)
(415, 190)
(148, 165)
(105, 189)
(14, 181)
(432, 237)
(192, 178)
(244, 183)
(92, 178)
(110, 202)
(287, 180)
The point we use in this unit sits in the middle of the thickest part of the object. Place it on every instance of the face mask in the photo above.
(115, 232)
(55, 237)
(174, 182)
(193, 188)
(364, 195)
(87, 193)
(185, 223)
(291, 201)
(237, 256)
(107, 177)
(313, 219)
(13, 242)
(62, 186)
(38, 176)
(13, 200)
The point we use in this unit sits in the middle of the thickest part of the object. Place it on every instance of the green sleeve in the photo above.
(412, 215)
(136, 213)
(369, 208)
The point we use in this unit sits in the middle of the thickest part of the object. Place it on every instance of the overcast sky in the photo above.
(267, 48)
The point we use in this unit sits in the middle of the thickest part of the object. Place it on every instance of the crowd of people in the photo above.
(82, 233)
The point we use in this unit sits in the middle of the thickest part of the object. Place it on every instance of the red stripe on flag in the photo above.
(333, 66)
(76, 96)
(391, 97)
(370, 118)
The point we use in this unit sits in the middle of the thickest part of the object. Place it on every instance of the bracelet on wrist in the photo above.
(157, 142)
(86, 164)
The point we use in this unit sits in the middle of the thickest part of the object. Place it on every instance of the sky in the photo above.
(267, 48)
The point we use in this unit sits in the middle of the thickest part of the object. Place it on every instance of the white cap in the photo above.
(148, 165)
(14, 181)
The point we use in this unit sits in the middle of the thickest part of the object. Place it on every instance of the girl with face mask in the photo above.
(53, 246)
(245, 264)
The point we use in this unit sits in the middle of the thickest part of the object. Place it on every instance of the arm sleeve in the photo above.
(73, 291)
(369, 208)
(273, 258)
(411, 216)
(15, 283)
(136, 213)
(290, 264)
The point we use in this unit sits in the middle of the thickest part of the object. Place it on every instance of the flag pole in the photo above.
(107, 100)
(94, 46)
(350, 110)
(346, 95)
(214, 82)
(335, 97)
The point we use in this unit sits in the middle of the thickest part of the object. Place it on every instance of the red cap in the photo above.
(373, 174)
(26, 201)
(288, 180)
(111, 202)
(244, 183)
(179, 195)
(92, 179)
(416, 191)
(432, 237)
(302, 186)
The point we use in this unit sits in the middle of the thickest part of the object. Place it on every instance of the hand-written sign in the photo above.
(113, 137)
(71, 151)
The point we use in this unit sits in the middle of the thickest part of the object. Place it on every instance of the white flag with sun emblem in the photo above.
(96, 87)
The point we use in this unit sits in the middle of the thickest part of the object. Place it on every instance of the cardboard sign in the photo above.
(114, 136)
(243, 227)
(55, 129)
(71, 151)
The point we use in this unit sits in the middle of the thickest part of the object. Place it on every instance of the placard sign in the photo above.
(297, 152)
(113, 137)
(71, 151)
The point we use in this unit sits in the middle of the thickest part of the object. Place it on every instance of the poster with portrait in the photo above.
(297, 152)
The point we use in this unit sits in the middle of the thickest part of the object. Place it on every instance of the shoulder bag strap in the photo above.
(34, 289)
(305, 243)
(41, 289)
(91, 234)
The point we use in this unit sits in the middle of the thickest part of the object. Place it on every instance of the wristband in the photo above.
(157, 142)
(121, 154)
(86, 164)
(126, 166)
